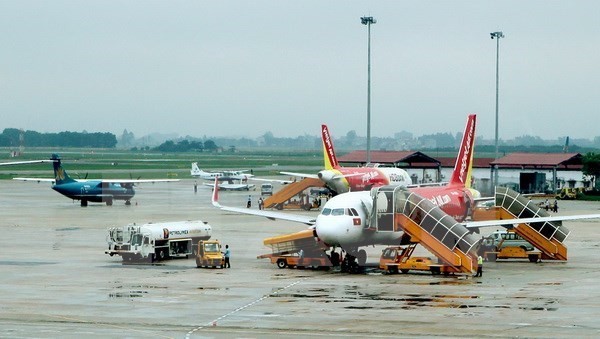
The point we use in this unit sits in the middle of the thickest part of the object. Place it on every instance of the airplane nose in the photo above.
(329, 231)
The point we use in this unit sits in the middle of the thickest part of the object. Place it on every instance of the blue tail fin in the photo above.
(60, 175)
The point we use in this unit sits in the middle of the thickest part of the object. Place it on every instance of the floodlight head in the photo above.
(365, 20)
(497, 35)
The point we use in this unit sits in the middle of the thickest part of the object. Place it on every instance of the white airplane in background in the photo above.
(235, 180)
(223, 175)
(228, 184)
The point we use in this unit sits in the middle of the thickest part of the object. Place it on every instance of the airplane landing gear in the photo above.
(127, 202)
(349, 264)
(84, 203)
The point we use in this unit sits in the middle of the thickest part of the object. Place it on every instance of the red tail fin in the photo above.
(464, 161)
(215, 196)
(328, 152)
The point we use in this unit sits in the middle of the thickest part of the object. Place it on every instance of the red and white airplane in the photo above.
(345, 179)
(347, 220)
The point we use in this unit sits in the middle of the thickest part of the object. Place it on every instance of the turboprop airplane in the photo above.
(355, 219)
(101, 190)
(223, 175)
(344, 179)
(231, 185)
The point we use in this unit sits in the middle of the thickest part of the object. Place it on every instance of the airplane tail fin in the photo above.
(464, 161)
(328, 151)
(195, 170)
(60, 175)
(215, 195)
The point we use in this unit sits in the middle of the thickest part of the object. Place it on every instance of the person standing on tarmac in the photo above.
(227, 254)
(479, 266)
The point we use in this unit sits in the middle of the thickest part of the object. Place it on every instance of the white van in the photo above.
(266, 189)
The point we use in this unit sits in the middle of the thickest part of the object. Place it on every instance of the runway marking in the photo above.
(212, 323)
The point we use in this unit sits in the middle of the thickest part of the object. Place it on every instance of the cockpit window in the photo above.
(353, 212)
(326, 211)
(337, 211)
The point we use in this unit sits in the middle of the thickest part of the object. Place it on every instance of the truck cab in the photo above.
(209, 254)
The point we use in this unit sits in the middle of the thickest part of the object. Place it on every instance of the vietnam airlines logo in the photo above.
(60, 174)
(466, 152)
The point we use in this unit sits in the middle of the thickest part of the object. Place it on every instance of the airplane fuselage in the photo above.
(95, 191)
(456, 201)
(347, 179)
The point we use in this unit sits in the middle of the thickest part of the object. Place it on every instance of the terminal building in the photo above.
(522, 172)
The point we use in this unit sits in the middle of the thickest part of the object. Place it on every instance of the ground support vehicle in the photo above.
(295, 261)
(157, 241)
(395, 258)
(297, 250)
(266, 189)
(209, 254)
(508, 245)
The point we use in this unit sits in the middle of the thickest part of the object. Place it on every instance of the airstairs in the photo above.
(548, 237)
(291, 190)
(398, 209)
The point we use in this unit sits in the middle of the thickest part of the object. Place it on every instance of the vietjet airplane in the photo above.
(345, 179)
(104, 190)
(347, 220)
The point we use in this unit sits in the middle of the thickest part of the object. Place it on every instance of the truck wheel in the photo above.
(161, 254)
(393, 269)
(404, 270)
(281, 263)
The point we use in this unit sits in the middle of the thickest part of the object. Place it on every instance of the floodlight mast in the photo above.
(497, 36)
(368, 20)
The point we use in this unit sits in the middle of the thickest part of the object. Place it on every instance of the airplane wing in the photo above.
(36, 179)
(24, 162)
(132, 181)
(261, 213)
(302, 175)
(112, 181)
(283, 182)
(489, 223)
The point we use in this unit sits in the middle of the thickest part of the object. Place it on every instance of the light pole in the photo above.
(496, 35)
(368, 20)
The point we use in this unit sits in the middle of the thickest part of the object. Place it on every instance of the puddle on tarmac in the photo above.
(64, 229)
(130, 294)
(213, 288)
(412, 301)
(133, 291)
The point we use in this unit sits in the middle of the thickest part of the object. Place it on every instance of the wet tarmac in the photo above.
(56, 280)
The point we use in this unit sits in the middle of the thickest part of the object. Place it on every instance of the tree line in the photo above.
(12, 137)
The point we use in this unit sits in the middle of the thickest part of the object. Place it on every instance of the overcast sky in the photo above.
(242, 68)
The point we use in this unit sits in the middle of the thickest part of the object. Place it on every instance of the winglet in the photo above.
(464, 161)
(215, 196)
(328, 151)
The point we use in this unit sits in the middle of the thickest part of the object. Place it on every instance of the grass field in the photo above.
(110, 163)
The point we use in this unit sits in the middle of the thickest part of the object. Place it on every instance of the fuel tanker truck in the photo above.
(157, 241)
